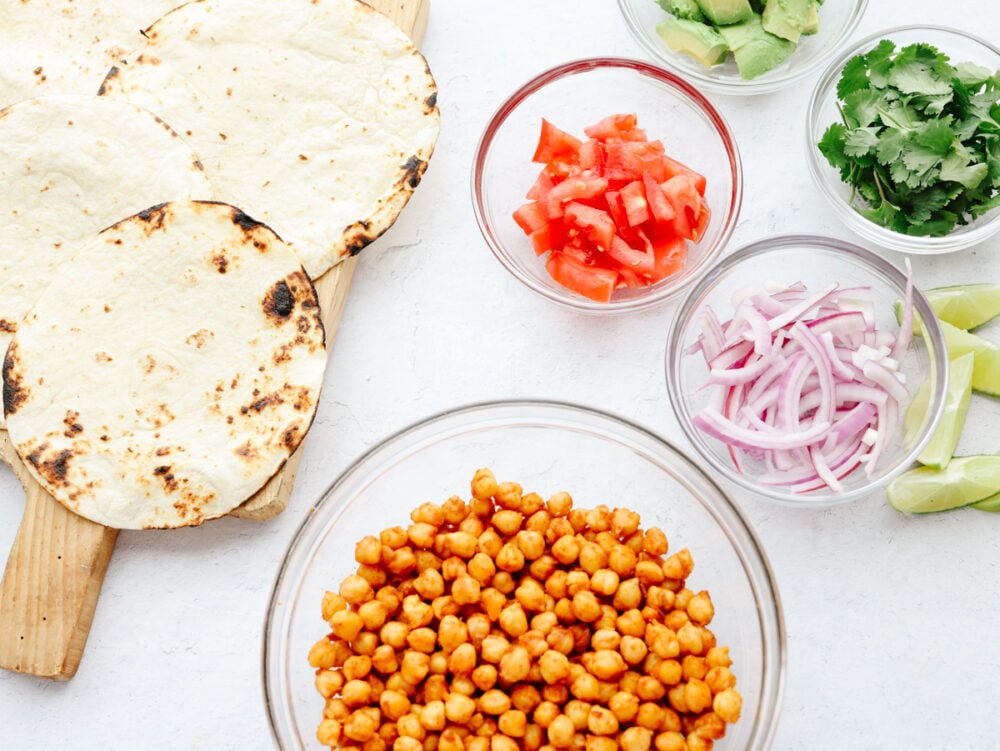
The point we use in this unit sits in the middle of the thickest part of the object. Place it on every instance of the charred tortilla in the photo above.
(69, 167)
(168, 370)
(67, 46)
(316, 116)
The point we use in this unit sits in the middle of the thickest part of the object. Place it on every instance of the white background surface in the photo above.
(891, 621)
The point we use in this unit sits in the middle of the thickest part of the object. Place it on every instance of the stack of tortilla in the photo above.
(159, 234)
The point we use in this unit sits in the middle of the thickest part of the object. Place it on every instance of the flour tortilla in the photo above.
(69, 167)
(67, 46)
(168, 370)
(317, 117)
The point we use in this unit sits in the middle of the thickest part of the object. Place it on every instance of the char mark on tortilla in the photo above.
(15, 393)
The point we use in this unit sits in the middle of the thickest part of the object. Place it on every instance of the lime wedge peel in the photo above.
(986, 373)
(966, 480)
(941, 447)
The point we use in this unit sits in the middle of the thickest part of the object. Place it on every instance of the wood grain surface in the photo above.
(58, 560)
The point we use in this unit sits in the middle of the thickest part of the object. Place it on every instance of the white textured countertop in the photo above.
(890, 620)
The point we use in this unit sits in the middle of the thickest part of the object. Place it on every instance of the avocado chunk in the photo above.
(785, 18)
(756, 51)
(811, 24)
(722, 12)
(682, 9)
(701, 42)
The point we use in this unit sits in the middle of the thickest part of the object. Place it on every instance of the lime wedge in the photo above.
(966, 480)
(913, 421)
(939, 450)
(965, 306)
(991, 504)
(986, 372)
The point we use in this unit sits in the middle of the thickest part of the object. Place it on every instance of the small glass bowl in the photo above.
(573, 96)
(816, 262)
(960, 46)
(546, 447)
(837, 21)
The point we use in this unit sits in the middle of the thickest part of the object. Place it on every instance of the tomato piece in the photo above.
(633, 196)
(530, 217)
(547, 237)
(638, 261)
(555, 143)
(593, 282)
(632, 280)
(540, 188)
(702, 224)
(669, 255)
(661, 208)
(616, 126)
(596, 224)
(592, 156)
(627, 160)
(683, 195)
(672, 167)
(572, 189)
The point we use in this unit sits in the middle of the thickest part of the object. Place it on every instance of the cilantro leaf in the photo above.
(854, 77)
(860, 141)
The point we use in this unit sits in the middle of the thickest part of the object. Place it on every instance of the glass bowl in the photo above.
(547, 447)
(817, 262)
(573, 96)
(960, 46)
(837, 21)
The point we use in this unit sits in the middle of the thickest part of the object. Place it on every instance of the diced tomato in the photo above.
(680, 190)
(673, 167)
(530, 217)
(616, 126)
(661, 209)
(611, 211)
(591, 155)
(627, 160)
(593, 282)
(541, 187)
(636, 207)
(639, 261)
(572, 189)
(554, 143)
(547, 237)
(596, 224)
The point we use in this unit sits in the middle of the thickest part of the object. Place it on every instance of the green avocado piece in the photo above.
(701, 42)
(682, 9)
(811, 24)
(756, 51)
(723, 12)
(785, 18)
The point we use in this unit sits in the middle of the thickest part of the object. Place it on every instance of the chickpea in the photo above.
(513, 723)
(465, 590)
(478, 626)
(503, 743)
(485, 677)
(558, 693)
(477, 744)
(600, 743)
(635, 739)
(459, 708)
(709, 725)
(336, 709)
(545, 713)
(405, 743)
(462, 544)
(531, 544)
(697, 696)
(332, 603)
(323, 654)
(384, 660)
(585, 687)
(561, 731)
(493, 648)
(329, 682)
(531, 595)
(556, 584)
(675, 619)
(429, 584)
(700, 608)
(450, 740)
(373, 615)
(727, 704)
(356, 667)
(481, 568)
(694, 667)
(648, 573)
(507, 522)
(654, 542)
(670, 741)
(490, 542)
(558, 529)
(414, 666)
(510, 558)
(356, 693)
(622, 560)
(453, 510)
(624, 705)
(409, 726)
(542, 567)
(602, 721)
(660, 598)
(566, 550)
(417, 612)
(669, 672)
(578, 712)
(394, 634)
(690, 638)
(592, 557)
(403, 561)
(356, 590)
(515, 665)
(607, 664)
(484, 484)
(361, 726)
(492, 601)
(650, 716)
(559, 504)
(679, 565)
(585, 606)
(605, 638)
(329, 732)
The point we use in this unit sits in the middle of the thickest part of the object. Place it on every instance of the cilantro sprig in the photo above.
(919, 138)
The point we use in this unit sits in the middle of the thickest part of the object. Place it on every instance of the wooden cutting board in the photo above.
(57, 563)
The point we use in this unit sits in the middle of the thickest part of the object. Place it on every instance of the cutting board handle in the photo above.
(50, 586)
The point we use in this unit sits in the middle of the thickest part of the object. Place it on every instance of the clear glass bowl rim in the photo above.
(826, 87)
(753, 558)
(690, 305)
(762, 85)
(659, 293)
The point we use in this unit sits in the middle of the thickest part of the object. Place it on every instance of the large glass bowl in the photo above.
(547, 447)
(816, 262)
(573, 96)
(960, 46)
(837, 21)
